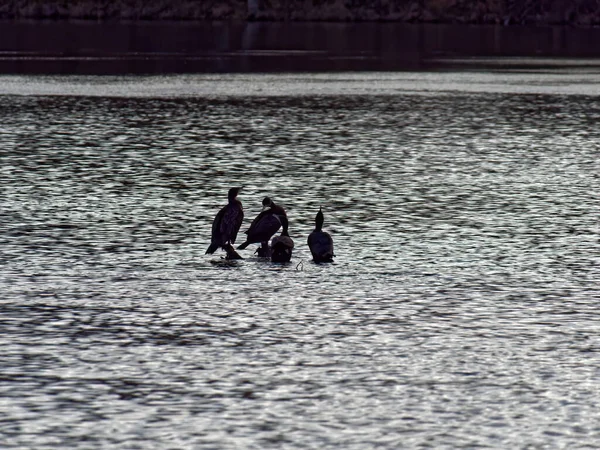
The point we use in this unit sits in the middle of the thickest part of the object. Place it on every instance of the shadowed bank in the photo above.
(575, 12)
(87, 47)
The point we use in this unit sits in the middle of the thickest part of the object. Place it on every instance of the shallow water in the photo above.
(461, 310)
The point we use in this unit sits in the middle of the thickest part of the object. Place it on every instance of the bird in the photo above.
(320, 242)
(267, 202)
(265, 225)
(282, 245)
(226, 225)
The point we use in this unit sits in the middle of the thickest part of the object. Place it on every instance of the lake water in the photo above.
(461, 310)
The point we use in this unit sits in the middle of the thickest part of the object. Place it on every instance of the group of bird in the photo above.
(229, 219)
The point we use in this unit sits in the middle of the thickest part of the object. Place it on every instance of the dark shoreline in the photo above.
(580, 13)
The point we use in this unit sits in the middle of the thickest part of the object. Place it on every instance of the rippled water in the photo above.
(461, 310)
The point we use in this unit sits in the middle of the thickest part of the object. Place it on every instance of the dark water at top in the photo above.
(91, 48)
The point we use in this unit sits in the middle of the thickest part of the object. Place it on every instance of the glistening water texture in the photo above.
(461, 311)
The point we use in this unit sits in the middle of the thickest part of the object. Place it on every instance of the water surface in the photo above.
(461, 310)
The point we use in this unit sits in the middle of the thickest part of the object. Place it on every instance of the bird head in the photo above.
(267, 202)
(319, 219)
(233, 192)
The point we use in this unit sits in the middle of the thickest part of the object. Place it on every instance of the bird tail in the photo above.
(243, 246)
(212, 248)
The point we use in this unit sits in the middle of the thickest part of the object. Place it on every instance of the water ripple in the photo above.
(460, 311)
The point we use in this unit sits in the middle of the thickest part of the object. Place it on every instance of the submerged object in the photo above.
(264, 251)
(320, 242)
(231, 253)
(226, 225)
(282, 245)
(265, 225)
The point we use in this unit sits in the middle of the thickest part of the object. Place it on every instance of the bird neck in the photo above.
(319, 219)
(285, 225)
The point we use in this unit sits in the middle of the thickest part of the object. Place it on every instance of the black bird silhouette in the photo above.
(276, 209)
(265, 225)
(282, 245)
(320, 242)
(226, 225)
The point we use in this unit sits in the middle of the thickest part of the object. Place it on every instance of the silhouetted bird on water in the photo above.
(282, 245)
(320, 242)
(276, 209)
(264, 226)
(226, 225)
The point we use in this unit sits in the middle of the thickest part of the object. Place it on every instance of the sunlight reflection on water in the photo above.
(576, 81)
(460, 311)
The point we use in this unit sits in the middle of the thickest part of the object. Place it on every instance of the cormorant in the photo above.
(265, 225)
(282, 245)
(226, 225)
(320, 242)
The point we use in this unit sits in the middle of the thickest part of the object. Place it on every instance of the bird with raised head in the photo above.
(226, 225)
(320, 242)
